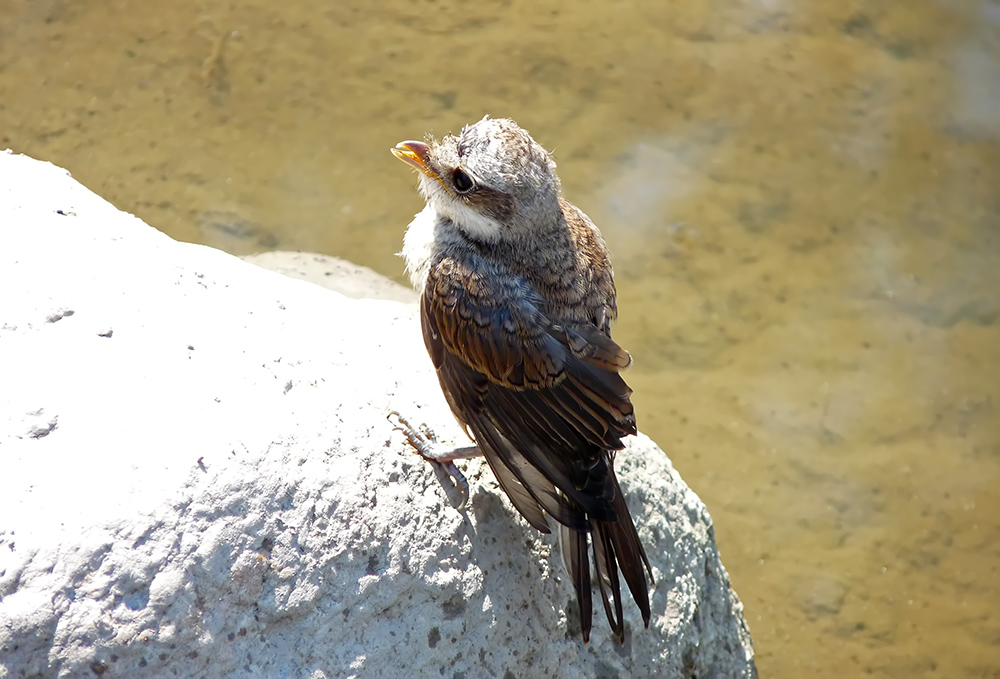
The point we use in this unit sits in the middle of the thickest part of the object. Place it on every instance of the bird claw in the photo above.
(424, 443)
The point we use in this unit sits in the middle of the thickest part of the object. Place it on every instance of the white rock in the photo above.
(199, 480)
(347, 278)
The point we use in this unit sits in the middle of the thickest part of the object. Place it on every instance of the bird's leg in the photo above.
(425, 444)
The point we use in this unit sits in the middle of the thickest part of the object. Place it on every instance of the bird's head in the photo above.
(493, 181)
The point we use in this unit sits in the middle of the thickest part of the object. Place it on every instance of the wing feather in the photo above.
(547, 406)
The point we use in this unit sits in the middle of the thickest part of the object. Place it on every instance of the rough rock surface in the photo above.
(347, 278)
(199, 480)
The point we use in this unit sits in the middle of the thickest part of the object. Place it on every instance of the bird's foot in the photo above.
(425, 444)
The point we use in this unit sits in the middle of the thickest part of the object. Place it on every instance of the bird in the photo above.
(517, 297)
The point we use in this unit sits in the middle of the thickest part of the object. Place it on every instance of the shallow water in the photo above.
(803, 199)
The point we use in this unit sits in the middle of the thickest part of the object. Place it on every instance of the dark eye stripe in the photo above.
(496, 204)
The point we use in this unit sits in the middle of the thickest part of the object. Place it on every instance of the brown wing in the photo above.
(553, 392)
(548, 408)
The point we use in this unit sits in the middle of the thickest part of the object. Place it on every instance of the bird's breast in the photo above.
(420, 245)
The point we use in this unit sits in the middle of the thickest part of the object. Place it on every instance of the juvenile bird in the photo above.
(517, 299)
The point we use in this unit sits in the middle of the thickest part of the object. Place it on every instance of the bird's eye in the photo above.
(463, 182)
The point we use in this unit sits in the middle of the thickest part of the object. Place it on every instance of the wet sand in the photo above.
(803, 200)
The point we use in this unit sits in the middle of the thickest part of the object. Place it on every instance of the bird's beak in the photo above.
(415, 153)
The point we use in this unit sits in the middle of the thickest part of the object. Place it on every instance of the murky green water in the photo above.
(804, 203)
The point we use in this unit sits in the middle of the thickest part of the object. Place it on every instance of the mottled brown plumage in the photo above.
(517, 299)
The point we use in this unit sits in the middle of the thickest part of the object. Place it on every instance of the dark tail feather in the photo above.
(629, 553)
(616, 547)
(573, 545)
(607, 577)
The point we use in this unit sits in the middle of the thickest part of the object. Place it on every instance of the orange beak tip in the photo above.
(413, 153)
